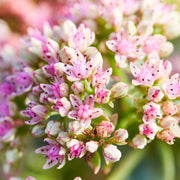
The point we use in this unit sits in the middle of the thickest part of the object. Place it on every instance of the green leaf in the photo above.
(95, 162)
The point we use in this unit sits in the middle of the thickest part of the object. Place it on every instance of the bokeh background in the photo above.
(158, 161)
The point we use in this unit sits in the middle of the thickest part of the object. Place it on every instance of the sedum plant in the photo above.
(81, 85)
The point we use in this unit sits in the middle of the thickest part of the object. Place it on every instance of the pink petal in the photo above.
(50, 163)
(134, 69)
(97, 112)
(73, 114)
(90, 101)
(75, 101)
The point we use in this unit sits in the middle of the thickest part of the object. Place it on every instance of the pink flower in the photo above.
(55, 90)
(6, 89)
(81, 38)
(102, 96)
(101, 78)
(62, 106)
(36, 112)
(125, 46)
(149, 129)
(7, 129)
(129, 7)
(151, 111)
(22, 81)
(79, 70)
(147, 73)
(7, 108)
(54, 152)
(76, 149)
(49, 51)
(114, 9)
(84, 110)
(153, 43)
(172, 87)
(155, 94)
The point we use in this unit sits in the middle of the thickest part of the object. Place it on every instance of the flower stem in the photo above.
(127, 165)
(167, 162)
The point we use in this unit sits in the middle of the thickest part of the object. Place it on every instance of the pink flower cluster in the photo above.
(64, 82)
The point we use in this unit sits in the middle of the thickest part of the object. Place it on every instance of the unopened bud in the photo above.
(92, 146)
(111, 153)
(39, 76)
(67, 28)
(169, 108)
(76, 127)
(13, 155)
(52, 128)
(104, 129)
(167, 121)
(67, 54)
(167, 136)
(63, 137)
(77, 178)
(30, 178)
(78, 87)
(119, 90)
(38, 130)
(120, 135)
(139, 141)
(166, 49)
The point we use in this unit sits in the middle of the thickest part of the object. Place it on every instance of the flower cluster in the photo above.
(65, 87)
(68, 96)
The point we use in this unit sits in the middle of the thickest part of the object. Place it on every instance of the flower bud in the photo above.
(38, 130)
(166, 49)
(167, 121)
(104, 129)
(52, 128)
(76, 127)
(63, 137)
(78, 87)
(169, 108)
(167, 68)
(39, 76)
(111, 153)
(167, 136)
(67, 54)
(139, 141)
(77, 178)
(172, 29)
(64, 90)
(119, 90)
(102, 96)
(92, 146)
(7, 130)
(67, 28)
(30, 178)
(120, 135)
(13, 155)
(131, 28)
(155, 94)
